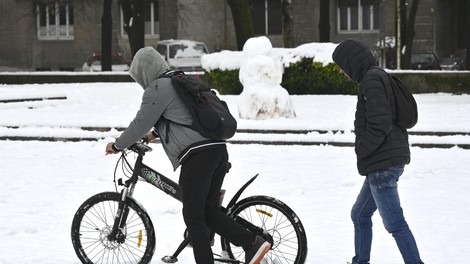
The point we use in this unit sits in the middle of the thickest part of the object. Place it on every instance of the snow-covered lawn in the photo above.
(45, 182)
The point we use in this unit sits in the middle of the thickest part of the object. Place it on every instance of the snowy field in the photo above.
(45, 182)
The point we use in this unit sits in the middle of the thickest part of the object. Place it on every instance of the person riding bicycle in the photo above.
(204, 162)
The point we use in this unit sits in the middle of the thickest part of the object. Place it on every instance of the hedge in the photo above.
(303, 77)
(308, 77)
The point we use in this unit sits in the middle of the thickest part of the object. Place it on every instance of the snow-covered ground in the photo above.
(45, 182)
(113, 105)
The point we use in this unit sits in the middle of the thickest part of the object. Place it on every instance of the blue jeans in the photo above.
(379, 191)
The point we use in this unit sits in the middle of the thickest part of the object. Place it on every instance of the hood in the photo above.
(354, 58)
(147, 66)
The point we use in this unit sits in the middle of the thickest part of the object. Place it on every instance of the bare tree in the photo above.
(324, 25)
(134, 24)
(106, 36)
(409, 32)
(241, 14)
(467, 35)
(168, 23)
(287, 23)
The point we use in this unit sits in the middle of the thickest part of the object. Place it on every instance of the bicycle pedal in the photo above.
(169, 259)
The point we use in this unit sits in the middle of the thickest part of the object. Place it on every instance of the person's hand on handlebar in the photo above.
(111, 149)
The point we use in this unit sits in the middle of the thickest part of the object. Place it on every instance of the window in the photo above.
(358, 15)
(54, 20)
(151, 19)
(267, 17)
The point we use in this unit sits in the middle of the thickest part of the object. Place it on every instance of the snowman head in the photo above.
(257, 46)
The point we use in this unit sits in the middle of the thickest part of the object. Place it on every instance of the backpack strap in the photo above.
(389, 92)
(170, 74)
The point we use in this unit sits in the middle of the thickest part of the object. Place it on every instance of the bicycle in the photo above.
(112, 227)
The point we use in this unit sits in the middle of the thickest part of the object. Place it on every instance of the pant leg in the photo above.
(201, 178)
(385, 192)
(194, 181)
(361, 215)
(219, 222)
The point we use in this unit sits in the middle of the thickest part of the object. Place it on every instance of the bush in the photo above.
(303, 77)
(309, 77)
(226, 82)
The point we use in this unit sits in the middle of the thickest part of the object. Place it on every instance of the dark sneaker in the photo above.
(255, 254)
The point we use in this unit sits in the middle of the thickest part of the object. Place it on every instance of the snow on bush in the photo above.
(260, 72)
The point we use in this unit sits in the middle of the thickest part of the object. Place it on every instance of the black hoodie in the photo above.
(380, 143)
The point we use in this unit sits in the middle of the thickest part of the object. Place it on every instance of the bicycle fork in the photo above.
(118, 233)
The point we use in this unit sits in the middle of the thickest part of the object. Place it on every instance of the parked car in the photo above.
(425, 61)
(93, 63)
(183, 54)
(453, 64)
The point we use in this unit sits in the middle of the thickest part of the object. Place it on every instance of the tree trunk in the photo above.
(287, 24)
(467, 35)
(242, 21)
(168, 23)
(400, 28)
(324, 25)
(106, 36)
(410, 33)
(134, 24)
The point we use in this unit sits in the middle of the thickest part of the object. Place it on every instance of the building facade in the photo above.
(61, 34)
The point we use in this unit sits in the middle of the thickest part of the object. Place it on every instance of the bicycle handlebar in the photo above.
(140, 148)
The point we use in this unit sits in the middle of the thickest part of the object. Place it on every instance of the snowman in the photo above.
(262, 97)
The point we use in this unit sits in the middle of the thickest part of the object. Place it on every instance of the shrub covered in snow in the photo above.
(308, 69)
(310, 77)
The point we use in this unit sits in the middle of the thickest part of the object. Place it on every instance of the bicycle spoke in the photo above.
(282, 225)
(94, 223)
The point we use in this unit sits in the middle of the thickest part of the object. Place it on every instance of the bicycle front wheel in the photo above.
(280, 222)
(93, 223)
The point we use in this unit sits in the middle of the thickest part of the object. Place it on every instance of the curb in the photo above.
(262, 141)
(240, 142)
(285, 131)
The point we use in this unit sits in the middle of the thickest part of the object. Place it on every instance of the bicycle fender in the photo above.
(239, 192)
(138, 203)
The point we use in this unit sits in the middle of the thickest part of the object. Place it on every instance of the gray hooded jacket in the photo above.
(159, 100)
(380, 143)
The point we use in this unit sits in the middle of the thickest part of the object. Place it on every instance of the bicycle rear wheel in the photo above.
(280, 222)
(93, 223)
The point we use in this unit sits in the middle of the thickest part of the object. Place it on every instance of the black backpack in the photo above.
(211, 116)
(407, 109)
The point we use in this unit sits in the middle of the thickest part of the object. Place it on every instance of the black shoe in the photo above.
(255, 254)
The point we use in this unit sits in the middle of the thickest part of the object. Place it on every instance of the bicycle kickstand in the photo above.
(174, 258)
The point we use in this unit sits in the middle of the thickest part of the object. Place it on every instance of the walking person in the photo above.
(204, 162)
(382, 150)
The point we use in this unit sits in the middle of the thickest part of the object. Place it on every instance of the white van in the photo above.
(184, 55)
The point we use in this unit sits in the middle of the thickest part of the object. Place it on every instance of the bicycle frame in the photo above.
(162, 182)
(157, 179)
(169, 187)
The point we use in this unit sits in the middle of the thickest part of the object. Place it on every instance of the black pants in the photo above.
(202, 175)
